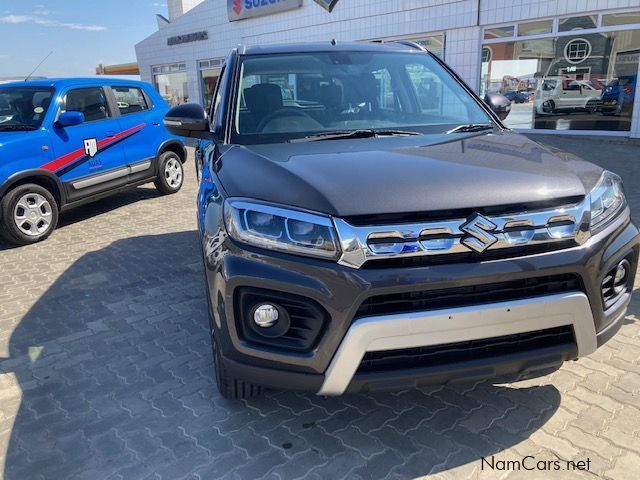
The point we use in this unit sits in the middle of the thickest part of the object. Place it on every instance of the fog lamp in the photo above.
(266, 315)
(620, 276)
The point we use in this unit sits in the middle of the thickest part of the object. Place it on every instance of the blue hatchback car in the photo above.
(68, 141)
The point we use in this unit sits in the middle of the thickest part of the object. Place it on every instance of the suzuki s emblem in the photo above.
(90, 147)
(479, 230)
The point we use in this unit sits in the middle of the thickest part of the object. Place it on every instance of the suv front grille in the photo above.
(468, 295)
(473, 350)
(478, 236)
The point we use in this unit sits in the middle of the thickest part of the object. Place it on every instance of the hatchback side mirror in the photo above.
(188, 120)
(70, 118)
(499, 104)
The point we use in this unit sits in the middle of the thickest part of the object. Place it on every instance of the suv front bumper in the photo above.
(331, 366)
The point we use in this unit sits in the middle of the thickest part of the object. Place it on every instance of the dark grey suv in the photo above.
(367, 222)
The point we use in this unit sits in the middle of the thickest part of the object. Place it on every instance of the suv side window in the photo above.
(90, 101)
(217, 97)
(130, 100)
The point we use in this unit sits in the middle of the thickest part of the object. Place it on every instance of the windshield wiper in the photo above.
(17, 127)
(472, 127)
(364, 133)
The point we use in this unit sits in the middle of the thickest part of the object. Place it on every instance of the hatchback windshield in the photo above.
(289, 96)
(23, 108)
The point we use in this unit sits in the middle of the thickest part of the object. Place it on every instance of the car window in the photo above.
(287, 96)
(23, 108)
(218, 95)
(130, 100)
(90, 101)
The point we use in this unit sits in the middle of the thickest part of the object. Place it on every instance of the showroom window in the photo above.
(570, 24)
(578, 77)
(616, 19)
(171, 83)
(499, 32)
(535, 28)
(209, 74)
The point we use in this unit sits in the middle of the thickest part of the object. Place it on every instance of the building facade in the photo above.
(567, 65)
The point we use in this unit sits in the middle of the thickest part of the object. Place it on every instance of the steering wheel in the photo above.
(283, 112)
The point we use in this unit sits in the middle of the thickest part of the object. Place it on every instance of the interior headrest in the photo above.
(331, 96)
(263, 98)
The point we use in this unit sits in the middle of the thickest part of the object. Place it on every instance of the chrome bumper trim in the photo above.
(390, 332)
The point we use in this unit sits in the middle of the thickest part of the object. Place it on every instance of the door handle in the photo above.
(111, 134)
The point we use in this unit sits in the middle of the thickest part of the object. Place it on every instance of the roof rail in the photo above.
(411, 44)
(406, 43)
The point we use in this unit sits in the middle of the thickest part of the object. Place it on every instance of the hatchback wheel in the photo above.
(29, 214)
(170, 173)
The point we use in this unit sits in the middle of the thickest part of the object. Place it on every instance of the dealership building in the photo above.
(569, 66)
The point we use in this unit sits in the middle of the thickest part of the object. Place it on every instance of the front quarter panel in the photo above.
(22, 151)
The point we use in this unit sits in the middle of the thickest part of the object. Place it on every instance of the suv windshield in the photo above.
(23, 108)
(289, 96)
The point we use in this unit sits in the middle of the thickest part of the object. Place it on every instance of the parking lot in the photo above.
(106, 372)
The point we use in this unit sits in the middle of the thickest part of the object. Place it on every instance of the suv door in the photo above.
(137, 115)
(89, 156)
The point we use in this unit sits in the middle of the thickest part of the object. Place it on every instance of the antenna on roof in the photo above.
(38, 66)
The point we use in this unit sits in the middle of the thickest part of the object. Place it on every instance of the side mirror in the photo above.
(499, 104)
(70, 118)
(188, 120)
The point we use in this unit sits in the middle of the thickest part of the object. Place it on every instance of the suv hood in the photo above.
(405, 174)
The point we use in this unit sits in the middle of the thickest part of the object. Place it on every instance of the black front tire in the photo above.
(170, 173)
(229, 386)
(9, 229)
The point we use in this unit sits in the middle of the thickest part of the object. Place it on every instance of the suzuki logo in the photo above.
(479, 230)
(90, 147)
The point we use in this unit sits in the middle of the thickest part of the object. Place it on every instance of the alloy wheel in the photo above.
(173, 173)
(33, 214)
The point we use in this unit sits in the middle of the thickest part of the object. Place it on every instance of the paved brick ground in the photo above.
(106, 372)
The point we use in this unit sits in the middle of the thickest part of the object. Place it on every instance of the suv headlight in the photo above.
(291, 231)
(607, 199)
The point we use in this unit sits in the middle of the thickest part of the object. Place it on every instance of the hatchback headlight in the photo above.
(607, 199)
(291, 231)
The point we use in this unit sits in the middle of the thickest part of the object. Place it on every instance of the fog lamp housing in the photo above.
(266, 315)
(616, 283)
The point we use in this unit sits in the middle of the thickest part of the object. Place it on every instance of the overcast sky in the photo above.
(81, 33)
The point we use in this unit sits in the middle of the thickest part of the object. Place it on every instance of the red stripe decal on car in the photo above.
(71, 157)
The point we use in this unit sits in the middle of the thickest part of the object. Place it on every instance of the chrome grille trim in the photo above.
(477, 233)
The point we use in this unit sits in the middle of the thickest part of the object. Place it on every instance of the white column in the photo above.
(462, 53)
